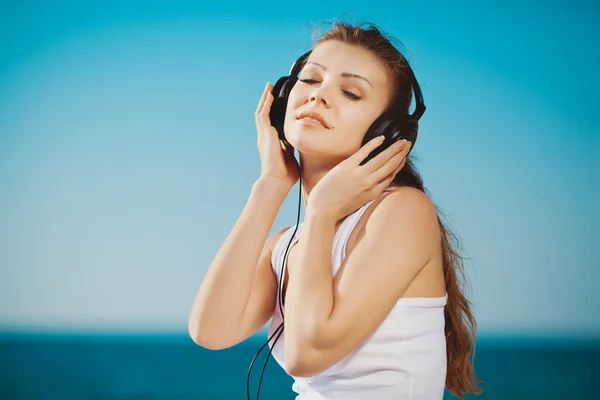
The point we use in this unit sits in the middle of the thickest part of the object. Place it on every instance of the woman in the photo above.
(372, 303)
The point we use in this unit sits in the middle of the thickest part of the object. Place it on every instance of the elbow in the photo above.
(206, 339)
(298, 371)
(304, 362)
(313, 355)
(198, 337)
(303, 368)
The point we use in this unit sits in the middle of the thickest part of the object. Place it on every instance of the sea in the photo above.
(172, 367)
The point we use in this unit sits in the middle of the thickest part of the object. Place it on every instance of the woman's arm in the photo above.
(237, 293)
(327, 318)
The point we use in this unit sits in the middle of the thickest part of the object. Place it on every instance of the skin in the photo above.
(393, 252)
(331, 95)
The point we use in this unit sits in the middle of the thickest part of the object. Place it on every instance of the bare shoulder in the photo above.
(403, 205)
(404, 213)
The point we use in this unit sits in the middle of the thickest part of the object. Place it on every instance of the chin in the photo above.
(306, 142)
(315, 150)
(305, 135)
(314, 141)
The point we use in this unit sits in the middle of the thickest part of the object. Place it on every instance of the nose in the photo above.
(318, 96)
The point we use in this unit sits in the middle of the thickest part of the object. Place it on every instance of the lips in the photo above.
(314, 116)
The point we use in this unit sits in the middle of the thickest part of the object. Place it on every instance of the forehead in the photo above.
(340, 57)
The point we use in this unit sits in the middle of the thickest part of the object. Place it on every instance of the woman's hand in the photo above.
(349, 185)
(277, 162)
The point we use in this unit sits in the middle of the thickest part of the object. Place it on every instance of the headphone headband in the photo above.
(299, 63)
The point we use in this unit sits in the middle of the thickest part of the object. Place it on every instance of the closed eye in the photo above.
(351, 95)
(308, 81)
(348, 94)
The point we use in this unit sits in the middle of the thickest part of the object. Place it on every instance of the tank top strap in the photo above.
(344, 231)
(339, 240)
(281, 245)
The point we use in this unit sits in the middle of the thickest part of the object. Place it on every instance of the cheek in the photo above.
(294, 101)
(354, 121)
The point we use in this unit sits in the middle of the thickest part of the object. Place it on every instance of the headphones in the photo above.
(394, 124)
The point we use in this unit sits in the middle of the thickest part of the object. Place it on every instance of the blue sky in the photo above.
(128, 149)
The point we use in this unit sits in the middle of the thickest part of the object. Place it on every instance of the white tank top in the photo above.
(404, 359)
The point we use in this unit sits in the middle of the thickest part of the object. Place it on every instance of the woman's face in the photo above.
(345, 87)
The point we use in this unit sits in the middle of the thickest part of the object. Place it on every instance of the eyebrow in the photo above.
(343, 74)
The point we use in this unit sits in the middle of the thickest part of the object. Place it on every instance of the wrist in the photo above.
(271, 187)
(320, 214)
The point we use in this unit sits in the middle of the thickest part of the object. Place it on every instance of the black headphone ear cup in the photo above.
(381, 126)
(410, 132)
(281, 92)
(393, 130)
(378, 127)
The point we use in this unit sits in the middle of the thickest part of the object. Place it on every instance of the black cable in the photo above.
(279, 329)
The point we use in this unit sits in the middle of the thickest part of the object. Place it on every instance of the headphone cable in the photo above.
(280, 328)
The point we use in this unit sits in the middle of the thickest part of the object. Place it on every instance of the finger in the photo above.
(262, 99)
(266, 108)
(382, 158)
(364, 151)
(397, 170)
(389, 169)
(381, 186)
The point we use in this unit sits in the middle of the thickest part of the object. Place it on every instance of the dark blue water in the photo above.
(173, 367)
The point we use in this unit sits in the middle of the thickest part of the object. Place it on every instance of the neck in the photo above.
(313, 169)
